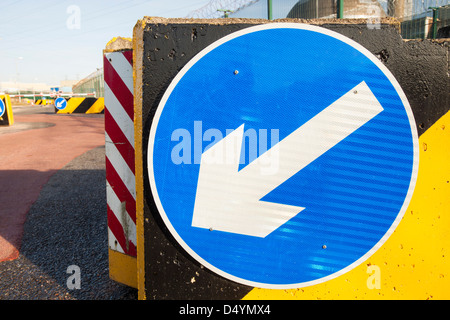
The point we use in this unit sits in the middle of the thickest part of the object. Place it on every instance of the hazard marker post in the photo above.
(119, 149)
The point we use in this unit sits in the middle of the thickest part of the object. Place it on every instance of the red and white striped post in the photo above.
(120, 169)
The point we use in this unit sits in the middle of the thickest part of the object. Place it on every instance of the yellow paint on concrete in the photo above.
(122, 268)
(118, 44)
(98, 106)
(414, 263)
(138, 54)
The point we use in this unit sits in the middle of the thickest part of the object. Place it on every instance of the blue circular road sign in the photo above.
(60, 103)
(2, 108)
(282, 155)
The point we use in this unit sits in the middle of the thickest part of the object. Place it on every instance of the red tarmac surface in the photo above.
(31, 151)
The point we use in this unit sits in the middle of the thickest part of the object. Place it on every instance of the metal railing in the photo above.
(419, 18)
(93, 83)
(432, 24)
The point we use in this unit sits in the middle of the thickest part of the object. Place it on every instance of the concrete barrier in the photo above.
(414, 261)
(7, 118)
(43, 102)
(83, 105)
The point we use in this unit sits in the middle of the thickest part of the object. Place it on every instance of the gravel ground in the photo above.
(66, 226)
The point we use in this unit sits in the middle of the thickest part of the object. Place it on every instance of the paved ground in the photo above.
(33, 149)
(65, 225)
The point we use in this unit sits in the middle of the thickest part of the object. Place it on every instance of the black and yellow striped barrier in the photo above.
(44, 102)
(6, 118)
(83, 105)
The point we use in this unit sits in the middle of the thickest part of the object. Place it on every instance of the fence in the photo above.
(435, 23)
(419, 18)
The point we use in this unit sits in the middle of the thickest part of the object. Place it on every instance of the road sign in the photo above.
(60, 103)
(2, 108)
(286, 167)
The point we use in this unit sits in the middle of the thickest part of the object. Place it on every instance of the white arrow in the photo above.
(59, 104)
(229, 200)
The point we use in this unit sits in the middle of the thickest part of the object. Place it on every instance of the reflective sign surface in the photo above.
(282, 155)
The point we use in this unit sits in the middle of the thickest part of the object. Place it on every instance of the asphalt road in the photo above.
(65, 227)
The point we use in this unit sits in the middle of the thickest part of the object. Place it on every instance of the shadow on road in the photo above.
(66, 226)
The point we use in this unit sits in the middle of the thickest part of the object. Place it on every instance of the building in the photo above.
(22, 87)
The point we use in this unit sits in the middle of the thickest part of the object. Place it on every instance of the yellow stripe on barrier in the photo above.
(98, 106)
(72, 104)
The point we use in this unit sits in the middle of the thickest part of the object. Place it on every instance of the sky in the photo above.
(46, 41)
